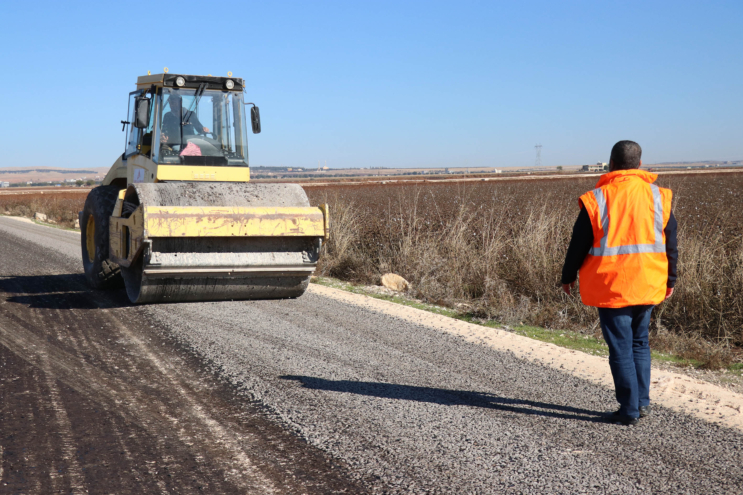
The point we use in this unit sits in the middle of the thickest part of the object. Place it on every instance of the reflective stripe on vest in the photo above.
(603, 250)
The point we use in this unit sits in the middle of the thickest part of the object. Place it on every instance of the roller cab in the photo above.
(177, 219)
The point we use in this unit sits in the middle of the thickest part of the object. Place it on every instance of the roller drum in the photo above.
(176, 269)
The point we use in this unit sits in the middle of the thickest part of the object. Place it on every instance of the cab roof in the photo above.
(167, 80)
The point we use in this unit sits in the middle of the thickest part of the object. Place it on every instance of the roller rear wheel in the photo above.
(99, 271)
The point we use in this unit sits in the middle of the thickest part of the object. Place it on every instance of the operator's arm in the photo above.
(580, 244)
(197, 125)
(672, 251)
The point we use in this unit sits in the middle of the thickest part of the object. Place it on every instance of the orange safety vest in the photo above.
(627, 265)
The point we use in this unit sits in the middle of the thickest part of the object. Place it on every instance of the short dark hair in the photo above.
(626, 155)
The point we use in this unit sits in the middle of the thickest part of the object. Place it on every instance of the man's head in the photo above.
(175, 102)
(625, 155)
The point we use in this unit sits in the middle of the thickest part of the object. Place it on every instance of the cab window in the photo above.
(202, 128)
(134, 134)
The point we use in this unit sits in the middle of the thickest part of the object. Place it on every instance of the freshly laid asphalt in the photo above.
(310, 395)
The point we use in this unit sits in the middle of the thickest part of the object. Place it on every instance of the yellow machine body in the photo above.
(127, 235)
(152, 172)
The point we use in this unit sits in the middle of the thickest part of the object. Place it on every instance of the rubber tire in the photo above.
(100, 273)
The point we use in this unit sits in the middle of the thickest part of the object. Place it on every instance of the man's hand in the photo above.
(206, 129)
(669, 293)
(566, 287)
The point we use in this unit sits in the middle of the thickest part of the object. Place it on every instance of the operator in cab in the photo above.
(171, 127)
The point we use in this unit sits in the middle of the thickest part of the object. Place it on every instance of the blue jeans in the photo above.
(626, 332)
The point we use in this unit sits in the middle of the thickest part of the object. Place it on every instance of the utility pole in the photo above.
(538, 162)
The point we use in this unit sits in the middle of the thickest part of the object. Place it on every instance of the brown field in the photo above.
(387, 176)
(60, 206)
(495, 249)
(498, 248)
(48, 174)
(699, 199)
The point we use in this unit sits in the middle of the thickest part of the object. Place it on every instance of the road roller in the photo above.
(177, 219)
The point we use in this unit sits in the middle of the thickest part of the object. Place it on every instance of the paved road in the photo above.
(299, 396)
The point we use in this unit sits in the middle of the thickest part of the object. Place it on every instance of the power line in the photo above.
(538, 162)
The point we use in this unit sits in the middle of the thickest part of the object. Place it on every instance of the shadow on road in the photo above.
(65, 291)
(448, 397)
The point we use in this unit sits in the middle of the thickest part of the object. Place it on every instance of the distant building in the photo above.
(497, 171)
(4, 184)
(593, 168)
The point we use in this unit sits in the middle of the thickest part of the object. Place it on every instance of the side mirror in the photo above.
(255, 119)
(141, 112)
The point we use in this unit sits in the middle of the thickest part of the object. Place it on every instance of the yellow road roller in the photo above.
(176, 218)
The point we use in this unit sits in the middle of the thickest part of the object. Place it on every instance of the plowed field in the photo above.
(701, 201)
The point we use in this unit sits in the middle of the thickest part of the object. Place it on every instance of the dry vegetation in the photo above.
(59, 207)
(497, 248)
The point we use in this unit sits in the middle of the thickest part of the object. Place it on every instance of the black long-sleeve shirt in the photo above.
(582, 240)
(172, 126)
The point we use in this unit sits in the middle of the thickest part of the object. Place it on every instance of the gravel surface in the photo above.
(426, 412)
(415, 410)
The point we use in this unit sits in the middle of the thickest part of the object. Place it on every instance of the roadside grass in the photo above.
(563, 338)
(55, 226)
(44, 224)
(501, 260)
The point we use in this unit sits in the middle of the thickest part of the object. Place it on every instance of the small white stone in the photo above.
(395, 282)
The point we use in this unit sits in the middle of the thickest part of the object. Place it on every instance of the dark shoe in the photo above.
(645, 411)
(620, 419)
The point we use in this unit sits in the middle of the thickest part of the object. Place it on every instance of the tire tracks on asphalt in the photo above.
(116, 398)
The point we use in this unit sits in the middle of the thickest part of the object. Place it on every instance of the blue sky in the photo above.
(396, 84)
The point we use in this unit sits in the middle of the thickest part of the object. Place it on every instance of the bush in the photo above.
(510, 270)
(61, 208)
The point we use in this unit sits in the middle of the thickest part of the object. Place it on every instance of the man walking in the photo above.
(624, 244)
